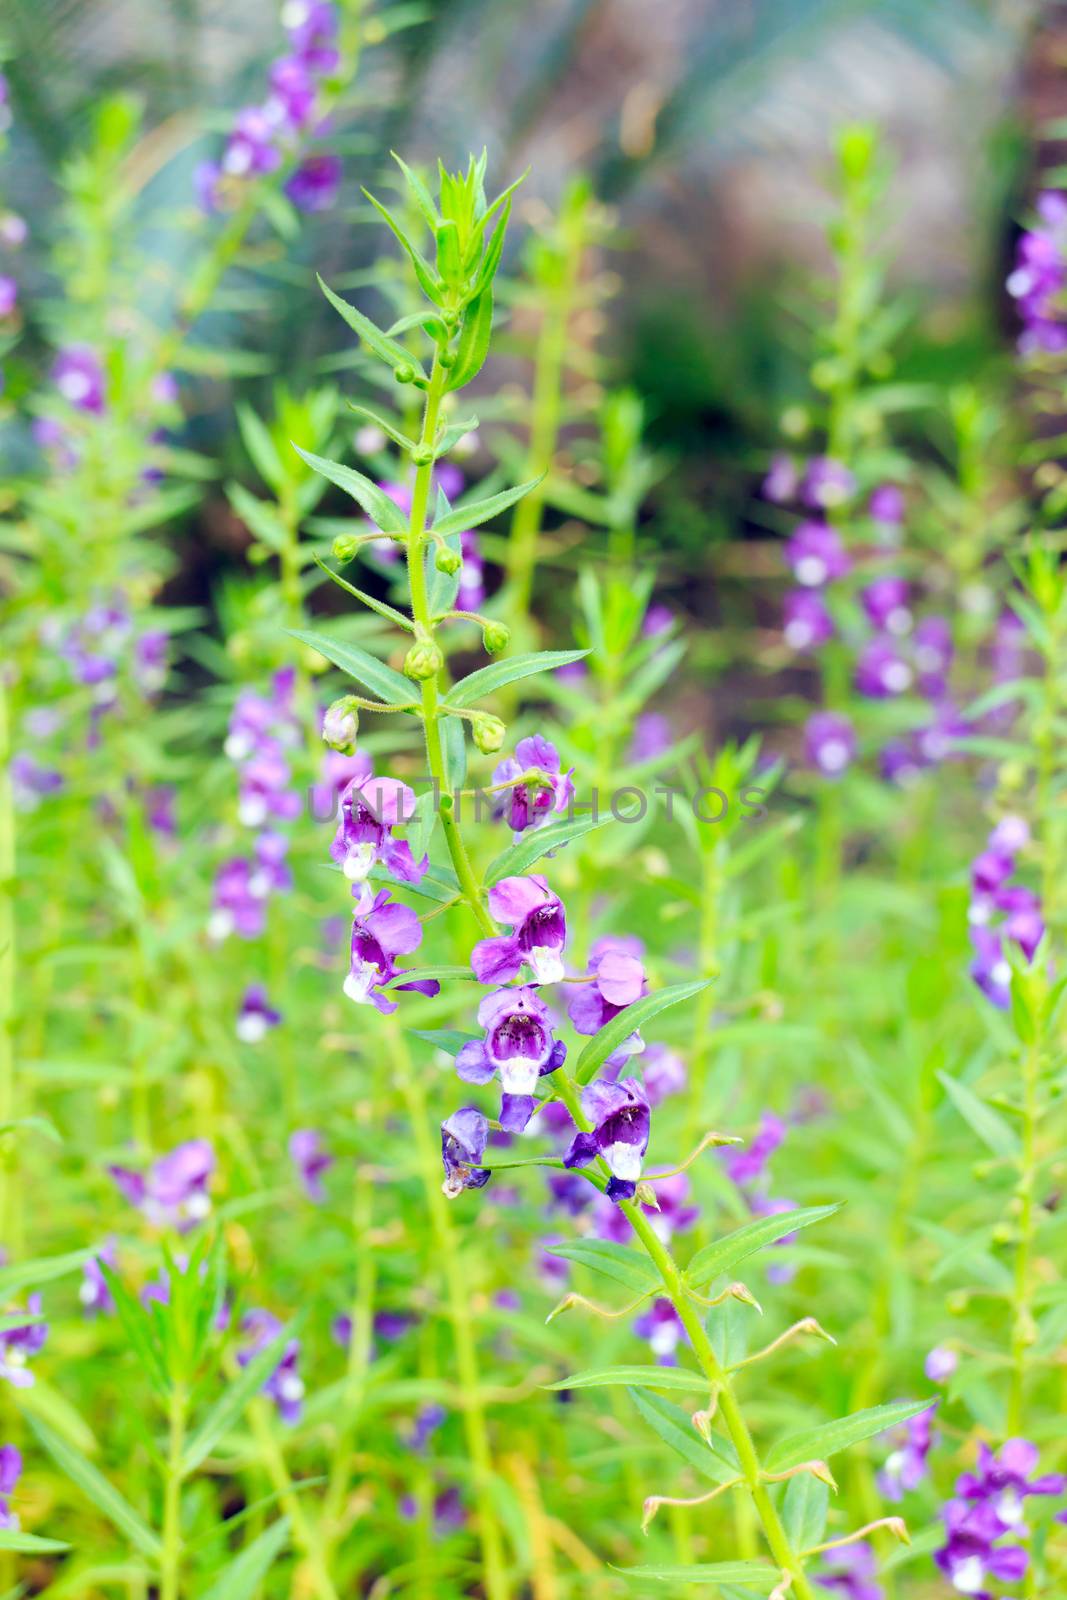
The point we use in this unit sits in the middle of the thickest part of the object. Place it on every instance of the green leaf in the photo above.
(454, 741)
(380, 606)
(612, 1034)
(448, 1039)
(366, 669)
(96, 1488)
(451, 435)
(474, 335)
(419, 193)
(498, 673)
(241, 1579)
(262, 450)
(537, 842)
(676, 1429)
(725, 1254)
(28, 1544)
(819, 1444)
(745, 1574)
(259, 516)
(636, 1378)
(470, 515)
(804, 1510)
(384, 512)
(394, 355)
(616, 1261)
(28, 1274)
(988, 1124)
(427, 277)
(490, 263)
(228, 1409)
(139, 1327)
(441, 587)
(387, 428)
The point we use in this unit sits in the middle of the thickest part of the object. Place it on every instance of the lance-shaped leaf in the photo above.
(394, 355)
(241, 1579)
(611, 1260)
(804, 1510)
(258, 516)
(448, 1039)
(29, 1544)
(365, 668)
(474, 334)
(419, 193)
(611, 1035)
(471, 515)
(723, 1255)
(714, 1574)
(431, 287)
(260, 446)
(384, 512)
(537, 842)
(819, 1444)
(228, 1409)
(28, 1274)
(648, 1377)
(452, 434)
(103, 1494)
(498, 673)
(717, 1462)
(988, 1124)
(386, 426)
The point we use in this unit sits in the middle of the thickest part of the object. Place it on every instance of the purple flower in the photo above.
(174, 1191)
(519, 1045)
(530, 805)
(338, 771)
(618, 980)
(312, 28)
(621, 1123)
(94, 1293)
(782, 482)
(294, 91)
(449, 1512)
(1039, 277)
(663, 1328)
(427, 1421)
(471, 593)
(371, 808)
(10, 1472)
(652, 737)
(311, 1159)
(539, 933)
(747, 1167)
(886, 504)
(284, 1386)
(990, 968)
(826, 484)
(664, 1073)
(9, 295)
(386, 931)
(256, 1015)
(882, 671)
(906, 1467)
(940, 1364)
(658, 621)
(18, 1345)
(1005, 1480)
(830, 743)
(806, 623)
(886, 603)
(463, 1140)
(79, 377)
(236, 908)
(316, 183)
(251, 150)
(816, 556)
(31, 782)
(971, 1554)
(850, 1572)
(932, 651)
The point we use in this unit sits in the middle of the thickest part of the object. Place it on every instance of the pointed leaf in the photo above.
(423, 271)
(537, 842)
(452, 434)
(387, 428)
(804, 1510)
(675, 1428)
(29, 1544)
(384, 512)
(462, 518)
(104, 1496)
(649, 1377)
(394, 355)
(382, 607)
(259, 516)
(366, 669)
(241, 1579)
(498, 673)
(228, 1409)
(723, 1255)
(819, 1444)
(615, 1261)
(419, 193)
(28, 1274)
(261, 448)
(744, 1574)
(447, 1039)
(612, 1034)
(475, 333)
(988, 1124)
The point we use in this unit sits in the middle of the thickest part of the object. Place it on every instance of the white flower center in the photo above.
(219, 925)
(811, 571)
(361, 980)
(359, 860)
(624, 1161)
(547, 963)
(518, 1076)
(898, 620)
(251, 1027)
(896, 676)
(798, 635)
(833, 755)
(664, 1339)
(969, 1577)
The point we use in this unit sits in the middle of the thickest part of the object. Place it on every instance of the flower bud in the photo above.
(446, 359)
(404, 373)
(488, 733)
(422, 455)
(495, 638)
(345, 547)
(423, 660)
(447, 560)
(340, 725)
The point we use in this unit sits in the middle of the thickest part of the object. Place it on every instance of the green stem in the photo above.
(1022, 1320)
(171, 1559)
(360, 1344)
(304, 1536)
(7, 959)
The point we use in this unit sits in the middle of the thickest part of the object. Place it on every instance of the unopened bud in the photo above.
(423, 660)
(404, 373)
(495, 637)
(345, 547)
(340, 725)
(422, 455)
(447, 560)
(446, 358)
(488, 733)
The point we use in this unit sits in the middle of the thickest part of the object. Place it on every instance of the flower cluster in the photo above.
(1001, 910)
(173, 1192)
(1039, 277)
(284, 1385)
(264, 136)
(906, 1465)
(989, 1509)
(19, 1344)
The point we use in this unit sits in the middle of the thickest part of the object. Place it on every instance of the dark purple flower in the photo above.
(618, 980)
(886, 504)
(816, 556)
(94, 1293)
(620, 1119)
(311, 1159)
(173, 1192)
(316, 183)
(1006, 1480)
(371, 808)
(932, 651)
(886, 603)
(971, 1554)
(830, 742)
(906, 1467)
(463, 1140)
(9, 295)
(10, 1472)
(518, 1045)
(386, 931)
(256, 1016)
(539, 933)
(19, 1345)
(1039, 278)
(663, 1328)
(850, 1571)
(284, 1386)
(530, 805)
(990, 968)
(652, 737)
(427, 1421)
(806, 623)
(882, 671)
